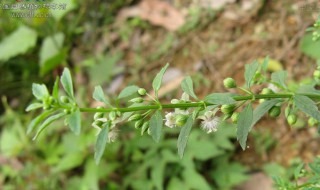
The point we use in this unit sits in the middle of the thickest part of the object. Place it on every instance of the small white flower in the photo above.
(210, 125)
(185, 97)
(273, 87)
(170, 119)
(113, 135)
(210, 122)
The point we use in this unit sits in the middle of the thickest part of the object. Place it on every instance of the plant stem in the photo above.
(195, 104)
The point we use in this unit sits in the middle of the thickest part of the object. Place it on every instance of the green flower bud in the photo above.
(135, 117)
(64, 99)
(98, 115)
(139, 124)
(316, 74)
(226, 109)
(235, 117)
(144, 127)
(275, 111)
(266, 91)
(67, 111)
(175, 101)
(229, 83)
(142, 91)
(149, 131)
(312, 121)
(181, 120)
(292, 119)
(98, 123)
(226, 116)
(51, 100)
(112, 115)
(136, 100)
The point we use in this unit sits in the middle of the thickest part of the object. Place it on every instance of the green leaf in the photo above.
(55, 91)
(99, 95)
(74, 122)
(265, 63)
(156, 83)
(263, 108)
(279, 78)
(220, 98)
(306, 105)
(40, 91)
(19, 42)
(34, 106)
(51, 52)
(309, 47)
(37, 120)
(250, 71)
(298, 170)
(66, 81)
(187, 87)
(101, 143)
(156, 126)
(47, 122)
(128, 91)
(184, 136)
(244, 125)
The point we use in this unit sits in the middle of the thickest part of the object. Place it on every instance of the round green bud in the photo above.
(98, 123)
(312, 121)
(316, 74)
(226, 109)
(181, 120)
(51, 100)
(136, 100)
(235, 117)
(139, 124)
(229, 83)
(135, 117)
(142, 91)
(67, 111)
(275, 111)
(64, 99)
(144, 127)
(292, 119)
(112, 115)
(175, 101)
(266, 91)
(98, 115)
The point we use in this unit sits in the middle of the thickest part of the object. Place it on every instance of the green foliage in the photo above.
(98, 95)
(220, 98)
(101, 143)
(128, 91)
(156, 124)
(66, 82)
(187, 87)
(19, 42)
(309, 47)
(279, 78)
(184, 136)
(244, 125)
(156, 83)
(250, 71)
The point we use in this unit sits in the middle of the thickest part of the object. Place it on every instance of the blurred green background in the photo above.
(122, 42)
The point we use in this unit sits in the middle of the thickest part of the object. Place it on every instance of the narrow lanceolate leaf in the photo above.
(47, 122)
(40, 91)
(55, 91)
(187, 87)
(220, 98)
(34, 106)
(262, 109)
(101, 143)
(244, 125)
(306, 105)
(265, 63)
(66, 81)
(36, 121)
(156, 126)
(184, 136)
(74, 122)
(98, 95)
(156, 83)
(128, 91)
(250, 71)
(279, 78)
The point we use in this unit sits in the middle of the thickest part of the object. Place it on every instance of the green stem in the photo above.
(195, 104)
